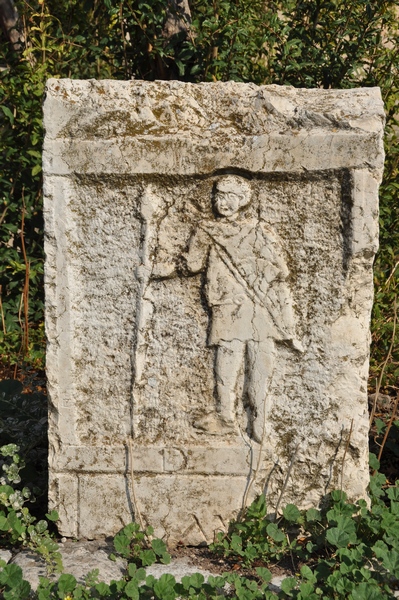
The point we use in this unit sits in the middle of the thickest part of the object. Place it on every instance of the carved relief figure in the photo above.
(249, 298)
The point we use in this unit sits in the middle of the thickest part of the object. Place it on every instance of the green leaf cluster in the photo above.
(138, 547)
(61, 39)
(23, 421)
(12, 584)
(136, 585)
(17, 525)
(351, 550)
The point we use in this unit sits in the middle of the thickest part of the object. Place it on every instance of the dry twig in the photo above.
(388, 356)
(25, 292)
(391, 420)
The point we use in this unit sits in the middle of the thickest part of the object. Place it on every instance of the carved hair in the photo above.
(236, 184)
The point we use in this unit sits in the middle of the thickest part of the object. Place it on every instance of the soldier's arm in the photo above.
(162, 267)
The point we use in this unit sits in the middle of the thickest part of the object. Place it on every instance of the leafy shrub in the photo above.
(350, 550)
(12, 584)
(17, 525)
(138, 547)
(54, 46)
(23, 421)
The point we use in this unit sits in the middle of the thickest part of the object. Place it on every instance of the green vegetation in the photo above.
(17, 525)
(337, 551)
(347, 548)
(305, 43)
(138, 547)
(23, 422)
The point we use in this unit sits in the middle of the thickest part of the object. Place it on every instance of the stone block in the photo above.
(78, 559)
(209, 254)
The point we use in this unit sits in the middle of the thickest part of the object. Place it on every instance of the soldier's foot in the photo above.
(215, 424)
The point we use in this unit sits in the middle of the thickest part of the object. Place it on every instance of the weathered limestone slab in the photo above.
(78, 559)
(208, 295)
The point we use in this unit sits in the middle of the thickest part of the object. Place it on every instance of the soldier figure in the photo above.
(249, 298)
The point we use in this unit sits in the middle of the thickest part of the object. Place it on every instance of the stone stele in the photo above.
(209, 254)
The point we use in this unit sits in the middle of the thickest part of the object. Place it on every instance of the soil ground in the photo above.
(204, 559)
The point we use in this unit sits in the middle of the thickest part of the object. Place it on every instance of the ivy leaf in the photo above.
(264, 574)
(338, 537)
(312, 514)
(275, 533)
(158, 546)
(140, 574)
(306, 590)
(164, 587)
(21, 592)
(393, 493)
(291, 513)
(374, 462)
(36, 169)
(258, 509)
(132, 569)
(11, 575)
(132, 590)
(338, 496)
(389, 557)
(16, 523)
(66, 584)
(344, 586)
(236, 543)
(365, 591)
(102, 588)
(165, 558)
(196, 580)
(288, 584)
(308, 574)
(52, 516)
(148, 558)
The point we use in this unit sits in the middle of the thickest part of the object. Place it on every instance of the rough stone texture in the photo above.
(78, 558)
(5, 555)
(179, 568)
(208, 295)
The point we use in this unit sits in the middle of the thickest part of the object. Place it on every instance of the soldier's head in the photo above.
(230, 194)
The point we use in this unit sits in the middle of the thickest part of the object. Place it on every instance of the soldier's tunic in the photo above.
(246, 284)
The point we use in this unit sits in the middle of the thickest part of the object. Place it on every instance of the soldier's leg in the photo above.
(259, 370)
(229, 359)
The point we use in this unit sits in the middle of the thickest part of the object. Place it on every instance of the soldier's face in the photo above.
(226, 203)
